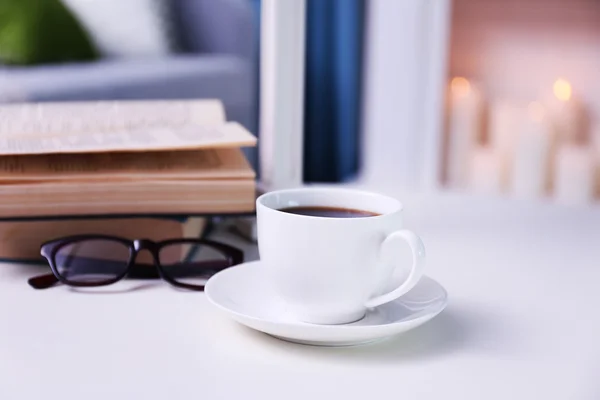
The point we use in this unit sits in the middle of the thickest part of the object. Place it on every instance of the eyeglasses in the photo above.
(99, 260)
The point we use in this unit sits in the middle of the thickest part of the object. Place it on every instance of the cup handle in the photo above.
(416, 272)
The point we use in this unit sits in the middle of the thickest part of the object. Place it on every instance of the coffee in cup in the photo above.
(331, 212)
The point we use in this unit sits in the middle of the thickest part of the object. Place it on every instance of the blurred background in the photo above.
(492, 97)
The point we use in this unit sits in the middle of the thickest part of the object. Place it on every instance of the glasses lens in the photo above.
(192, 263)
(92, 261)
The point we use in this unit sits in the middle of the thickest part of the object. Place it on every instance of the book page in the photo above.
(188, 136)
(70, 118)
(189, 164)
(102, 126)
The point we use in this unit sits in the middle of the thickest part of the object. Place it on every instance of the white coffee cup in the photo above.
(330, 270)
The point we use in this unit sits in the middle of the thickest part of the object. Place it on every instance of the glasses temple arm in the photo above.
(43, 281)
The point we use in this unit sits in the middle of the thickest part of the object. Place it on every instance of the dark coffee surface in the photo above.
(329, 212)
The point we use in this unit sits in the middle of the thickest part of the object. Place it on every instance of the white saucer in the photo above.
(245, 295)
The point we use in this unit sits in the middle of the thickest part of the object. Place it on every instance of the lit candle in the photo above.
(533, 152)
(486, 173)
(503, 127)
(565, 113)
(595, 138)
(596, 149)
(574, 180)
(463, 129)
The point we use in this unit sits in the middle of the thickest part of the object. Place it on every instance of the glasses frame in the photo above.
(50, 249)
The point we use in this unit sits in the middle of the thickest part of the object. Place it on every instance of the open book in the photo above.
(123, 157)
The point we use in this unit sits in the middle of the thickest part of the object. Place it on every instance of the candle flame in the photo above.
(562, 89)
(536, 111)
(460, 86)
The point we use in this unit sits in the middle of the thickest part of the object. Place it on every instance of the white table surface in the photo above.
(522, 323)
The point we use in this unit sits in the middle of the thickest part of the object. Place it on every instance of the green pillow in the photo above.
(41, 32)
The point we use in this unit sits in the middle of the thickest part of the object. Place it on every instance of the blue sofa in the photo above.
(219, 61)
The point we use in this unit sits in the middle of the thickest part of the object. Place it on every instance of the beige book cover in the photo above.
(182, 197)
(188, 164)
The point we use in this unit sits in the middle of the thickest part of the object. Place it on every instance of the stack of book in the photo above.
(70, 168)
